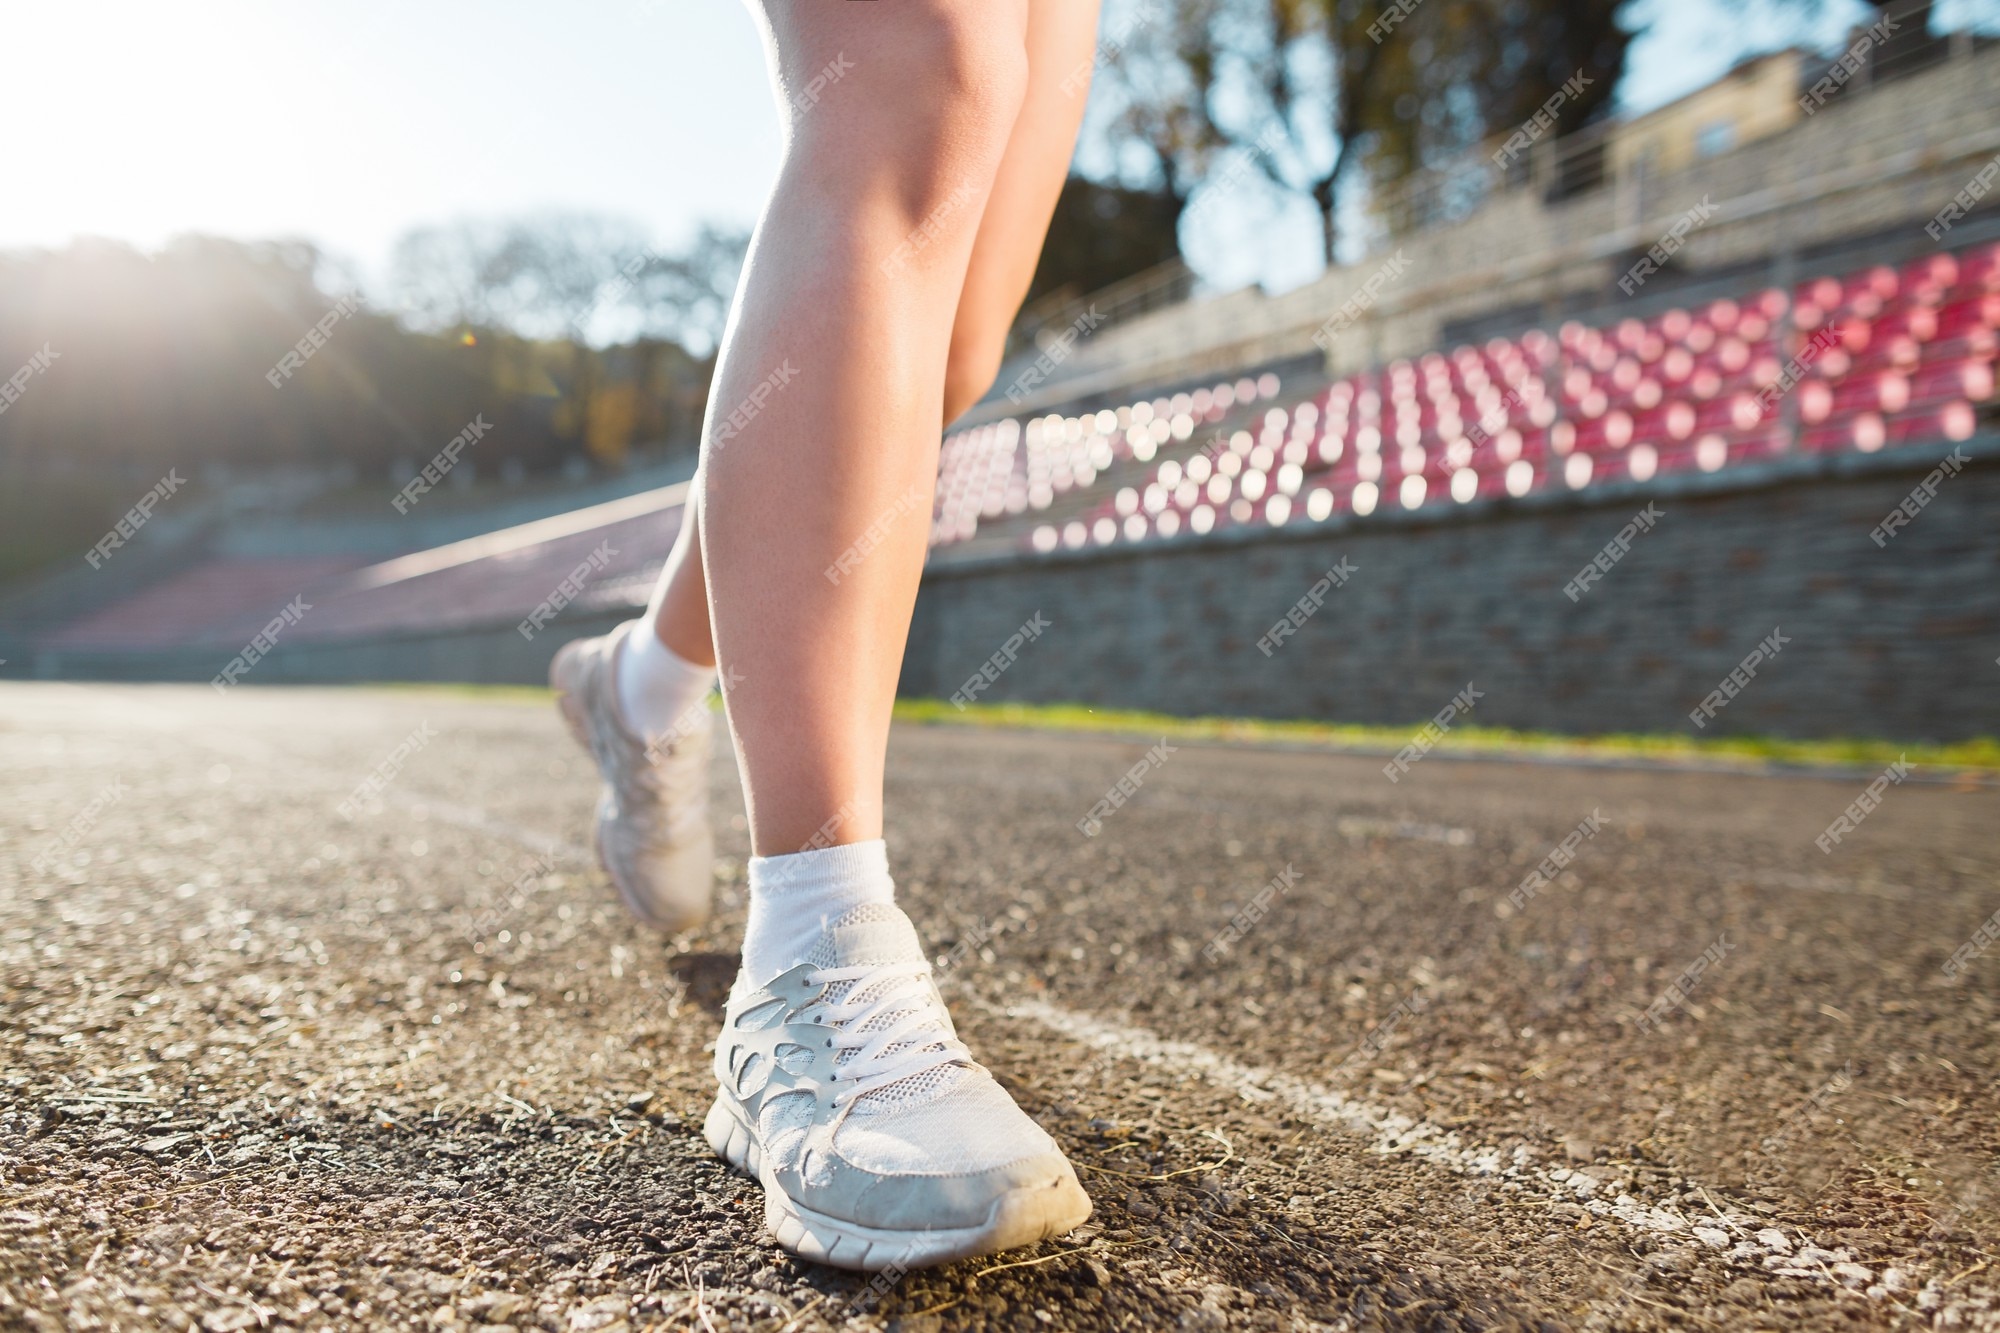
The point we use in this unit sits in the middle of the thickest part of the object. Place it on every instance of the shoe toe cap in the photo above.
(1027, 1199)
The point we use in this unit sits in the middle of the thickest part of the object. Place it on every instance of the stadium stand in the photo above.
(1863, 361)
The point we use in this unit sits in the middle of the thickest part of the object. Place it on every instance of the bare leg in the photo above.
(820, 461)
(1061, 37)
(1005, 250)
(678, 611)
(816, 487)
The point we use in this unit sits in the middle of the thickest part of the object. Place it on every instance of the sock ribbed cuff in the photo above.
(806, 872)
(794, 898)
(657, 686)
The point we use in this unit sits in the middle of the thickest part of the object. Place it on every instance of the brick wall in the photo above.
(1898, 642)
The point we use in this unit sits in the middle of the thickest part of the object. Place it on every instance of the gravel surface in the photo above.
(315, 1011)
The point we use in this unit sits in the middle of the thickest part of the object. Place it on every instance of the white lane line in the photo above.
(520, 537)
(1748, 1244)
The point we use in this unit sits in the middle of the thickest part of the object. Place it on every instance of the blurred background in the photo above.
(403, 314)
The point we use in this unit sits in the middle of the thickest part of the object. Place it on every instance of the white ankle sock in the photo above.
(656, 685)
(794, 898)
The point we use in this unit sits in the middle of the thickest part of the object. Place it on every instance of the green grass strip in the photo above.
(1981, 755)
(1750, 752)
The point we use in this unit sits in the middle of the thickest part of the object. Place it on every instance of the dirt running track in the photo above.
(265, 1063)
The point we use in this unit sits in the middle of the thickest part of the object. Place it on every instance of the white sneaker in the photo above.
(879, 1141)
(653, 837)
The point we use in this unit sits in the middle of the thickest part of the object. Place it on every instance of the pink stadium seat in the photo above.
(1901, 356)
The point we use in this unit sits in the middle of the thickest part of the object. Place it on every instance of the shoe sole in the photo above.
(1020, 1217)
(571, 709)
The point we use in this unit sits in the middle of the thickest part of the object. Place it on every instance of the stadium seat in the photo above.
(1897, 355)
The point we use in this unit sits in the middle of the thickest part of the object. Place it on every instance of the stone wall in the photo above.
(1895, 642)
(1898, 641)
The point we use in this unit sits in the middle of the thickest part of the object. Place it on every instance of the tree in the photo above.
(683, 302)
(1313, 89)
(444, 276)
(550, 276)
(1102, 233)
(686, 296)
(1158, 81)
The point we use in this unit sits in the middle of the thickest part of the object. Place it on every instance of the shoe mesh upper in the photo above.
(952, 1118)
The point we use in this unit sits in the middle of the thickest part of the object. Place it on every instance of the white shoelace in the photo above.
(890, 987)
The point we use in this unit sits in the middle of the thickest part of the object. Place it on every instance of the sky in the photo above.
(349, 121)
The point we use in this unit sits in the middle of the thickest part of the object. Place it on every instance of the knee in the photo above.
(933, 104)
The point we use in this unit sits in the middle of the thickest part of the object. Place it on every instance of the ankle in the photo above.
(794, 898)
(656, 686)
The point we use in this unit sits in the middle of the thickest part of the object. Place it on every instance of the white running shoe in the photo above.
(879, 1141)
(653, 837)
